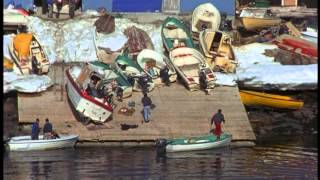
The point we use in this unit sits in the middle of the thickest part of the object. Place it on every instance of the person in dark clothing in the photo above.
(203, 80)
(35, 130)
(44, 6)
(146, 101)
(217, 119)
(47, 130)
(143, 82)
(72, 8)
(59, 4)
(34, 64)
(119, 93)
(131, 80)
(50, 8)
(164, 75)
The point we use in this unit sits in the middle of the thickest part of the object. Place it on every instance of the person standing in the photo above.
(34, 64)
(143, 82)
(217, 118)
(47, 130)
(72, 8)
(203, 80)
(164, 74)
(59, 4)
(146, 101)
(44, 7)
(35, 130)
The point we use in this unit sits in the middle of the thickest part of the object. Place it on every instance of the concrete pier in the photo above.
(178, 113)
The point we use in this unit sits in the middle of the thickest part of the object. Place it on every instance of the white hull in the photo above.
(24, 143)
(196, 147)
(205, 14)
(86, 107)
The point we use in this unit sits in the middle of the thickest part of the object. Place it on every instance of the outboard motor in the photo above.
(161, 146)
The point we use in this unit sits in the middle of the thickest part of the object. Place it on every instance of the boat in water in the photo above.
(24, 143)
(261, 99)
(90, 90)
(152, 62)
(174, 34)
(188, 63)
(204, 16)
(193, 143)
(217, 49)
(22, 47)
(256, 18)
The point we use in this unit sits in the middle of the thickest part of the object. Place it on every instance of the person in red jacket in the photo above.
(217, 118)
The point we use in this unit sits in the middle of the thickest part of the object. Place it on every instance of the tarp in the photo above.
(21, 44)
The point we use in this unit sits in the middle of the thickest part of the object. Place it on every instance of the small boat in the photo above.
(22, 47)
(188, 62)
(255, 19)
(131, 70)
(193, 143)
(91, 104)
(14, 17)
(152, 62)
(253, 98)
(297, 45)
(24, 143)
(175, 34)
(216, 47)
(204, 16)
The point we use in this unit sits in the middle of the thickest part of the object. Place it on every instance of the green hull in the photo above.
(198, 140)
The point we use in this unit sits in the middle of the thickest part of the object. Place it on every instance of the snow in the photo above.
(6, 41)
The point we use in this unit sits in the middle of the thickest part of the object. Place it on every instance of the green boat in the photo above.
(128, 68)
(193, 143)
(175, 34)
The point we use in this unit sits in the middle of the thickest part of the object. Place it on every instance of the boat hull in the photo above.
(252, 98)
(251, 23)
(24, 143)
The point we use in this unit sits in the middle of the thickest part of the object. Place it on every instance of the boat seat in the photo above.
(175, 33)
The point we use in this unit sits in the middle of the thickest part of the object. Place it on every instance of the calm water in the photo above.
(294, 159)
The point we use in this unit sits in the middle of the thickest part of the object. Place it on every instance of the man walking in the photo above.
(146, 101)
(217, 119)
(35, 130)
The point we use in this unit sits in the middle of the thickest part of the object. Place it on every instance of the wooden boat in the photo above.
(204, 16)
(297, 45)
(22, 47)
(188, 62)
(24, 143)
(131, 69)
(194, 143)
(216, 47)
(152, 62)
(175, 34)
(255, 19)
(91, 106)
(253, 98)
(14, 17)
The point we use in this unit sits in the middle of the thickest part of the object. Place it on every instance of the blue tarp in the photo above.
(224, 6)
(26, 4)
(96, 4)
(137, 6)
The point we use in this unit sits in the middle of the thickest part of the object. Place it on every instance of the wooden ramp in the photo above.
(178, 113)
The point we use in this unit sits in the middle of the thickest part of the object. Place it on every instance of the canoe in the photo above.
(193, 143)
(24, 143)
(174, 33)
(130, 68)
(204, 16)
(90, 107)
(216, 47)
(188, 62)
(253, 98)
(24, 46)
(152, 62)
(255, 19)
(297, 45)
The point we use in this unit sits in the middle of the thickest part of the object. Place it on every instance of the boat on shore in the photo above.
(152, 62)
(217, 49)
(174, 34)
(253, 98)
(193, 143)
(24, 143)
(188, 63)
(22, 47)
(255, 19)
(91, 103)
(204, 16)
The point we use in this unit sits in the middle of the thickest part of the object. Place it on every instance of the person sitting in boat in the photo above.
(164, 75)
(35, 130)
(217, 119)
(34, 65)
(92, 86)
(47, 130)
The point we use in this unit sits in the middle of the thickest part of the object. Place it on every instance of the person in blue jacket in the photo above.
(35, 130)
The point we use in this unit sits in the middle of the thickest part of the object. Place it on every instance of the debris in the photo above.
(105, 24)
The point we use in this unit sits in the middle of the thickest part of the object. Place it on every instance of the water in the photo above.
(294, 159)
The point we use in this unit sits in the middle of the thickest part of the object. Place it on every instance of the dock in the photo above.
(178, 113)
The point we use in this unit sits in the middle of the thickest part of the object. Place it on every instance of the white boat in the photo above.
(188, 62)
(14, 17)
(216, 47)
(24, 143)
(205, 16)
(152, 62)
(90, 106)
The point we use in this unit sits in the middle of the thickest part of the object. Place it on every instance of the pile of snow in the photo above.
(27, 84)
